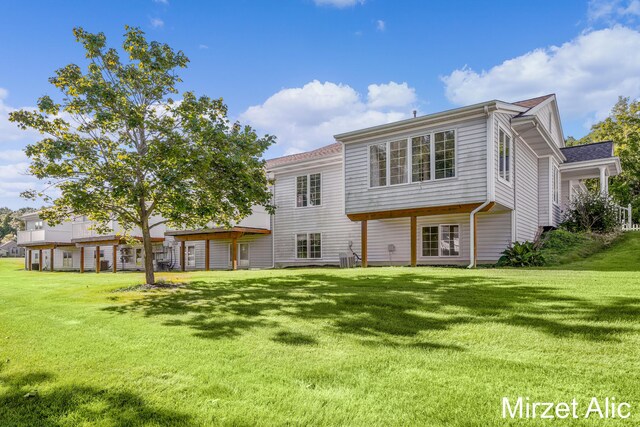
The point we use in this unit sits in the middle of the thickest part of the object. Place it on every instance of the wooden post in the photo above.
(97, 259)
(414, 249)
(182, 249)
(39, 259)
(82, 259)
(207, 242)
(51, 258)
(115, 258)
(29, 266)
(363, 237)
(234, 254)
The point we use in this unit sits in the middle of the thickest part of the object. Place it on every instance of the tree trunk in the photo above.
(148, 253)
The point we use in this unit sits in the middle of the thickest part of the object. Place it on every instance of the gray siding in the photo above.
(260, 248)
(494, 235)
(526, 181)
(328, 219)
(470, 184)
(543, 191)
(504, 191)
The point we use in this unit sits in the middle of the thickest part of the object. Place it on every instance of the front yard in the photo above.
(382, 346)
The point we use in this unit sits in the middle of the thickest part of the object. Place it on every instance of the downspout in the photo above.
(490, 188)
(273, 226)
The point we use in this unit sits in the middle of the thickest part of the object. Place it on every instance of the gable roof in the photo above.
(532, 102)
(327, 150)
(586, 152)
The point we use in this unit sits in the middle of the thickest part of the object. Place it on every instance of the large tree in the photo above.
(623, 128)
(117, 145)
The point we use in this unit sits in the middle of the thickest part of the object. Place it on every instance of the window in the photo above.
(445, 154)
(430, 241)
(191, 256)
(421, 158)
(308, 245)
(398, 161)
(38, 225)
(449, 240)
(556, 184)
(308, 189)
(67, 259)
(378, 165)
(504, 154)
(138, 257)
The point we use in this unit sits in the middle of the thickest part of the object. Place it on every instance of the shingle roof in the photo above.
(327, 150)
(585, 152)
(530, 103)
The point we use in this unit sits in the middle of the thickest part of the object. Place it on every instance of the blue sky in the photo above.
(307, 69)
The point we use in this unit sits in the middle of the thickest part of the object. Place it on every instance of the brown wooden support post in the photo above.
(182, 250)
(97, 259)
(234, 254)
(29, 266)
(414, 233)
(51, 258)
(207, 243)
(39, 259)
(82, 259)
(363, 237)
(115, 258)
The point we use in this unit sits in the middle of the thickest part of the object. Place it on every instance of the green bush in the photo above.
(522, 254)
(591, 212)
(562, 246)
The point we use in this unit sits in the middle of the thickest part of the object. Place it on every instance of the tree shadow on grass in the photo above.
(378, 308)
(22, 403)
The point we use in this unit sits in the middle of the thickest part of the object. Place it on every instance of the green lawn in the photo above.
(381, 346)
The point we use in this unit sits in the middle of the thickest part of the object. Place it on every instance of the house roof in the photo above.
(532, 102)
(8, 244)
(327, 150)
(586, 152)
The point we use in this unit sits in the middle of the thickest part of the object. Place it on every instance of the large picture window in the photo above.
(308, 245)
(378, 165)
(450, 240)
(504, 154)
(430, 240)
(308, 189)
(421, 158)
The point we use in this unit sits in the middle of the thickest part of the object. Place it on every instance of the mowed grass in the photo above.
(381, 346)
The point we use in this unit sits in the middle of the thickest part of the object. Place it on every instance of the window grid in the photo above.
(309, 245)
(315, 245)
(504, 155)
(449, 240)
(398, 161)
(314, 189)
(378, 165)
(301, 191)
(430, 241)
(445, 154)
(301, 246)
(421, 158)
(67, 259)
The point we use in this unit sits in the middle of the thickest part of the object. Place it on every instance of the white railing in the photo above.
(32, 236)
(626, 219)
(81, 229)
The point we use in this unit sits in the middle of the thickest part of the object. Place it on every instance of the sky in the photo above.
(305, 70)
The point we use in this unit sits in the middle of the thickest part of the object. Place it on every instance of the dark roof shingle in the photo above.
(585, 152)
(327, 150)
(530, 103)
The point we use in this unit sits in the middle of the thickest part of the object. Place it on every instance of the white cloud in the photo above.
(587, 73)
(380, 25)
(157, 23)
(161, 1)
(612, 11)
(307, 117)
(338, 3)
(203, 46)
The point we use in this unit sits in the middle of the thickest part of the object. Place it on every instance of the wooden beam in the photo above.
(82, 260)
(234, 254)
(425, 211)
(207, 244)
(414, 249)
(115, 258)
(182, 249)
(51, 258)
(39, 259)
(97, 259)
(363, 238)
(210, 236)
(29, 266)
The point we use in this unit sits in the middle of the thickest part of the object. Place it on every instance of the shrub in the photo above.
(562, 246)
(525, 254)
(591, 212)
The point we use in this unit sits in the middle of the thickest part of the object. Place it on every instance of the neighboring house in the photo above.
(455, 187)
(11, 249)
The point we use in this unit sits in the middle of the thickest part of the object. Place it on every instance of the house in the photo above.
(10, 248)
(454, 187)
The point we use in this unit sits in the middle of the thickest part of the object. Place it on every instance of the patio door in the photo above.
(243, 255)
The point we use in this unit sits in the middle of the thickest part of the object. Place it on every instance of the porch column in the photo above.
(207, 243)
(51, 258)
(604, 183)
(414, 232)
(29, 266)
(234, 254)
(363, 237)
(182, 249)
(97, 259)
(115, 258)
(39, 259)
(82, 259)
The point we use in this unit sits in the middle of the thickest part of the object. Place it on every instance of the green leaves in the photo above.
(522, 254)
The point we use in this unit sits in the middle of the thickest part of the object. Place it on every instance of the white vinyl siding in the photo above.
(467, 186)
(493, 234)
(526, 182)
(504, 191)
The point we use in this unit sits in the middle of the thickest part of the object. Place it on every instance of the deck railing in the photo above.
(626, 219)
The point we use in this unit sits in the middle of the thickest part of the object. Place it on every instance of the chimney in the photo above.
(415, 112)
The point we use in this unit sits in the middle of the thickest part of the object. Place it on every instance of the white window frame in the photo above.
(555, 183)
(308, 176)
(422, 227)
(409, 166)
(188, 262)
(459, 240)
(230, 257)
(295, 245)
(38, 225)
(511, 163)
(65, 258)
